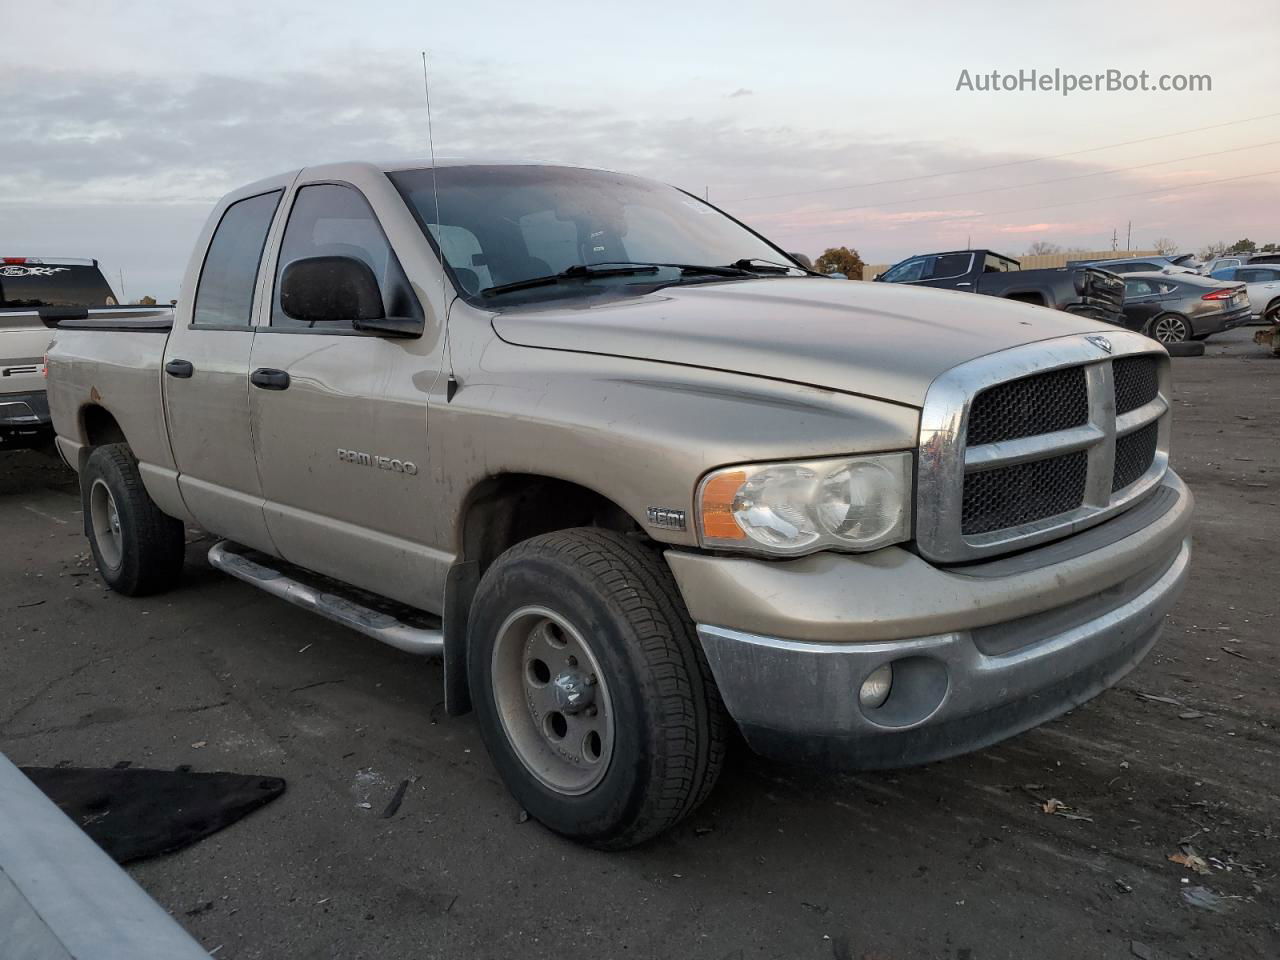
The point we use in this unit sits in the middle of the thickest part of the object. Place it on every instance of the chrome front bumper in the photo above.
(987, 678)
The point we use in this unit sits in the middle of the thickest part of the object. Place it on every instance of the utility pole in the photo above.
(1113, 239)
(123, 296)
(1128, 237)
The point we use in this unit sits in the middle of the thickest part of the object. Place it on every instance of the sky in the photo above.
(123, 121)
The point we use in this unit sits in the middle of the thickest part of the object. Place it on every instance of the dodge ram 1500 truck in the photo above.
(1087, 291)
(635, 475)
(30, 287)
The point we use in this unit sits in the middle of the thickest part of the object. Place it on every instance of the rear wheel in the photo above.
(591, 689)
(137, 547)
(1170, 328)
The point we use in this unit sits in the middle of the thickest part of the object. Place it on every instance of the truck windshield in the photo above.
(31, 283)
(504, 224)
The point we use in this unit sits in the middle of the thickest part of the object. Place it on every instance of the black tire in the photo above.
(1170, 328)
(142, 552)
(669, 724)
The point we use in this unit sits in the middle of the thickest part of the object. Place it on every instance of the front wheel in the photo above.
(138, 549)
(591, 689)
(1170, 328)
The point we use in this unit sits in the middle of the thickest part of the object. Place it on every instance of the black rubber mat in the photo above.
(135, 814)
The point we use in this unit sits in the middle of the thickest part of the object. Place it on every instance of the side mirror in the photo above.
(340, 290)
(801, 259)
(330, 290)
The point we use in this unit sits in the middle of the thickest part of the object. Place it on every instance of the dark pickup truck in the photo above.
(1087, 291)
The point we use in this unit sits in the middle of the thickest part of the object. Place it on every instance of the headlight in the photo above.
(849, 503)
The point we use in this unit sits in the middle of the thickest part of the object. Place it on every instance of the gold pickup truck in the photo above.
(636, 474)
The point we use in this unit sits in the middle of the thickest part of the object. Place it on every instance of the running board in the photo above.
(372, 623)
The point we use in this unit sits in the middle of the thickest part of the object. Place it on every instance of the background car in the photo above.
(1175, 307)
(1237, 260)
(1263, 284)
(1134, 265)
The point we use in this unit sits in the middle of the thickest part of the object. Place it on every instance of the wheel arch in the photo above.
(98, 427)
(499, 512)
(1031, 295)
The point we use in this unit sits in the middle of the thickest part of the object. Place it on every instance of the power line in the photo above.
(1119, 196)
(1039, 183)
(1008, 163)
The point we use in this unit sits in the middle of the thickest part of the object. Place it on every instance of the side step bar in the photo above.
(372, 623)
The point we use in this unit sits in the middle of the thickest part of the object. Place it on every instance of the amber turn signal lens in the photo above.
(716, 509)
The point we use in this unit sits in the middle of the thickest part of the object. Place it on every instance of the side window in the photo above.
(333, 220)
(1137, 288)
(224, 293)
(951, 265)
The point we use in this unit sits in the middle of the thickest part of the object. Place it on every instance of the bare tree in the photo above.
(1165, 246)
(1215, 249)
(1043, 248)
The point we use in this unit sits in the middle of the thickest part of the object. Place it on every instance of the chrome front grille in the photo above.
(1037, 442)
(1029, 405)
(1023, 492)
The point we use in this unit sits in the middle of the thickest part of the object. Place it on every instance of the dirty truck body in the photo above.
(629, 502)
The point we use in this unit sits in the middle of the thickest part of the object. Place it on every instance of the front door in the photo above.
(340, 416)
(206, 378)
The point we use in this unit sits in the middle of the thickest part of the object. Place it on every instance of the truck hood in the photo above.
(873, 339)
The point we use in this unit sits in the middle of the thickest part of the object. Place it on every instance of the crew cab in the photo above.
(635, 475)
(1080, 289)
(30, 286)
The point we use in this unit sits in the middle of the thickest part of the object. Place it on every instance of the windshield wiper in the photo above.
(760, 265)
(579, 271)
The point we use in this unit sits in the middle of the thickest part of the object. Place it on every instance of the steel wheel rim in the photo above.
(1170, 330)
(105, 519)
(552, 700)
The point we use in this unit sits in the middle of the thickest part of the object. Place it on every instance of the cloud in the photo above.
(741, 92)
(131, 144)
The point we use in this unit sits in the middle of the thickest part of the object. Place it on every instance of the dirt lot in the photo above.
(956, 860)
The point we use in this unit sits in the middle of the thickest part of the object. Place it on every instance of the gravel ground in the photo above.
(955, 860)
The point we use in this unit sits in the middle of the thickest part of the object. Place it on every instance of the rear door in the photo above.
(340, 416)
(1143, 300)
(206, 376)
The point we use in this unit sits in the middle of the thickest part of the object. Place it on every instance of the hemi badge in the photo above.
(666, 518)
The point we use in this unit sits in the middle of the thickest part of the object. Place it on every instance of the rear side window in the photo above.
(335, 220)
(224, 295)
(35, 283)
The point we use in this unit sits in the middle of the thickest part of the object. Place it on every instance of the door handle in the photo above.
(179, 368)
(269, 379)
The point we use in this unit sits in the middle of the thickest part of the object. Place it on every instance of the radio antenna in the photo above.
(452, 385)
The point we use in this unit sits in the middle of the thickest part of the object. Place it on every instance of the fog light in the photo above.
(875, 689)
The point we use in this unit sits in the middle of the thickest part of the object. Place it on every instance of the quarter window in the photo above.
(224, 294)
(334, 220)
